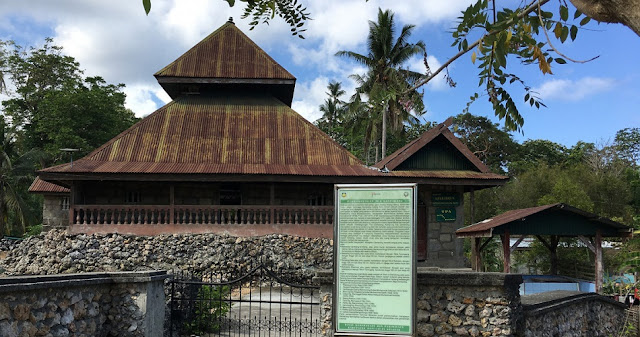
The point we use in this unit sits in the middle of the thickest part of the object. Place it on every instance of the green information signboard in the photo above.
(374, 259)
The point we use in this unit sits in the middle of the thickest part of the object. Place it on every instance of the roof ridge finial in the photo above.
(231, 20)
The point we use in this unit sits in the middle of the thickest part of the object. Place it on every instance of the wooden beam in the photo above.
(599, 268)
(554, 254)
(543, 241)
(517, 243)
(506, 251)
(587, 243)
(485, 243)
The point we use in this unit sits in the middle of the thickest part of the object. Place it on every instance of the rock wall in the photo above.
(56, 252)
(582, 314)
(94, 304)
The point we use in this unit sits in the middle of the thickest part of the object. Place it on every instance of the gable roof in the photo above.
(528, 221)
(226, 53)
(393, 160)
(44, 187)
(233, 134)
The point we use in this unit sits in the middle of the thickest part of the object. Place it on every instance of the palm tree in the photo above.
(16, 172)
(333, 107)
(386, 80)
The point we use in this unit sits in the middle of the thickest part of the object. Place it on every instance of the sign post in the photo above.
(374, 259)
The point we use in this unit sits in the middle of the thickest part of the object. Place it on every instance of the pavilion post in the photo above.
(599, 270)
(477, 257)
(506, 251)
(475, 242)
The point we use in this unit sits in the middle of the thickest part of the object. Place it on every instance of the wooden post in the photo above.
(72, 203)
(506, 251)
(272, 202)
(172, 204)
(477, 257)
(474, 242)
(599, 269)
(554, 254)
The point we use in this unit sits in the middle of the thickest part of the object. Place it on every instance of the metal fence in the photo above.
(258, 303)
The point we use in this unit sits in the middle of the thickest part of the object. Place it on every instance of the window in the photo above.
(64, 203)
(133, 197)
(230, 195)
(317, 199)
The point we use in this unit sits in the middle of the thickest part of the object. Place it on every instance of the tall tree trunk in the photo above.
(384, 129)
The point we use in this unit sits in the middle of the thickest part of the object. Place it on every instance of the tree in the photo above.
(386, 84)
(333, 107)
(627, 143)
(492, 145)
(16, 172)
(55, 107)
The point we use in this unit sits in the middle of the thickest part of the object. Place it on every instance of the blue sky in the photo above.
(114, 39)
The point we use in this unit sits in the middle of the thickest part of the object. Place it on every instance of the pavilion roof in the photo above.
(553, 219)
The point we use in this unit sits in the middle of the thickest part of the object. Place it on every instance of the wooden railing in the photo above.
(199, 214)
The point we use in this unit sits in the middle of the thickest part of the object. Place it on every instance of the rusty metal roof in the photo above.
(226, 53)
(552, 219)
(393, 160)
(222, 134)
(44, 187)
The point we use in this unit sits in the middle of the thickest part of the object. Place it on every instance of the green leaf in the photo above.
(585, 20)
(231, 2)
(564, 13)
(574, 32)
(147, 6)
(560, 61)
(564, 34)
(577, 14)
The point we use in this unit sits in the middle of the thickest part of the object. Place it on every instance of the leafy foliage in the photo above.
(208, 309)
(52, 107)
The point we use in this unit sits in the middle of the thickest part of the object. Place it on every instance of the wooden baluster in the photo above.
(235, 216)
(84, 216)
(215, 216)
(261, 213)
(77, 217)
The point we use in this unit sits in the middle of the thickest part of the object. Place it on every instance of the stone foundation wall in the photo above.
(93, 304)
(581, 314)
(57, 252)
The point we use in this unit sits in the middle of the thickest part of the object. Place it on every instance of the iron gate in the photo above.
(259, 303)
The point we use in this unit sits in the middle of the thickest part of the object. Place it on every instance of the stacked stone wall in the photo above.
(119, 304)
(585, 314)
(56, 252)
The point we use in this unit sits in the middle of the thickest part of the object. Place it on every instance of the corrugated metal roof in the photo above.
(222, 134)
(485, 228)
(41, 186)
(393, 160)
(226, 53)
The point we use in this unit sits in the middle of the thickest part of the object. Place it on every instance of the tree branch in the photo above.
(546, 33)
(526, 12)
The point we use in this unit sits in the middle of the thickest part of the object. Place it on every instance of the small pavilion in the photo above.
(556, 221)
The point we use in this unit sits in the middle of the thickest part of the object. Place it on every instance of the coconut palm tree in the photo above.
(386, 81)
(333, 107)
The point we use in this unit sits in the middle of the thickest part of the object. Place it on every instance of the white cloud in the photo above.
(309, 96)
(573, 90)
(116, 40)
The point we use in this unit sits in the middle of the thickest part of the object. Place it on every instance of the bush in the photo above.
(209, 309)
